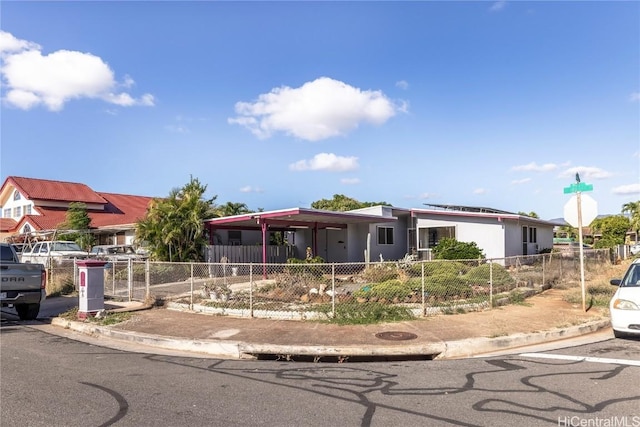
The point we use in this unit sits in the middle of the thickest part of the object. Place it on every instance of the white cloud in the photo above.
(177, 128)
(317, 110)
(350, 181)
(250, 189)
(326, 162)
(498, 6)
(534, 167)
(480, 191)
(634, 97)
(586, 172)
(428, 196)
(521, 181)
(625, 190)
(32, 79)
(402, 84)
(9, 43)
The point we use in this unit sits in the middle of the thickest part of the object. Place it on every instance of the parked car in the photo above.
(635, 249)
(625, 303)
(54, 251)
(115, 253)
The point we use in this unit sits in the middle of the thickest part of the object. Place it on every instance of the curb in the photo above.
(228, 349)
(241, 350)
(476, 346)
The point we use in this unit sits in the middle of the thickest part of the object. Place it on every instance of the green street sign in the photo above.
(578, 187)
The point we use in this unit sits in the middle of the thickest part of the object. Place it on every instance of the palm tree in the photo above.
(633, 208)
(230, 209)
(174, 225)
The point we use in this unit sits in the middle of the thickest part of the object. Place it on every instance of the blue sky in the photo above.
(279, 104)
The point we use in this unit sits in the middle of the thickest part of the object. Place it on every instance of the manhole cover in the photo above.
(396, 336)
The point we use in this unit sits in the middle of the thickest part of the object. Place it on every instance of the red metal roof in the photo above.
(119, 209)
(7, 224)
(297, 217)
(44, 189)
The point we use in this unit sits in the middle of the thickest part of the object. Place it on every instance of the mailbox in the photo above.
(90, 287)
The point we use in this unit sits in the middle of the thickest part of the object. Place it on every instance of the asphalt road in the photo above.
(50, 380)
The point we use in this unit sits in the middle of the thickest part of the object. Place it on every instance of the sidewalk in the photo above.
(542, 318)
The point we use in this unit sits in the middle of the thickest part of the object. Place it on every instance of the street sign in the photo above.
(589, 210)
(580, 186)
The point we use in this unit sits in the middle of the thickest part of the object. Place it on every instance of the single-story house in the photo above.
(378, 232)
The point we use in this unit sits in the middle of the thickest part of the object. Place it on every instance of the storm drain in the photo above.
(396, 336)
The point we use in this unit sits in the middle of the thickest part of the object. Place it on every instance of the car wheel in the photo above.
(28, 311)
(619, 334)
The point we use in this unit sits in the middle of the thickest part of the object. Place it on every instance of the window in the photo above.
(533, 235)
(235, 237)
(429, 237)
(27, 209)
(16, 195)
(524, 234)
(385, 235)
(26, 229)
(6, 213)
(17, 212)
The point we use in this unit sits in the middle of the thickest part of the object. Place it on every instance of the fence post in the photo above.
(424, 302)
(130, 278)
(490, 284)
(113, 278)
(147, 276)
(251, 290)
(333, 290)
(543, 266)
(191, 292)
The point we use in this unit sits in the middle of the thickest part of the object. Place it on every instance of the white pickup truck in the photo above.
(22, 286)
(53, 252)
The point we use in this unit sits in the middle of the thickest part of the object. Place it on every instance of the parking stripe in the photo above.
(582, 359)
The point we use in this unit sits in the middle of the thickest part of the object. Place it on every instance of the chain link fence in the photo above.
(350, 291)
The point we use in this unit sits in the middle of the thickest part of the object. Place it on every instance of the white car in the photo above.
(635, 249)
(625, 303)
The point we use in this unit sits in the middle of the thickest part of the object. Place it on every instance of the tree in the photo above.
(230, 209)
(173, 227)
(78, 222)
(633, 209)
(450, 248)
(569, 231)
(342, 203)
(613, 230)
(531, 214)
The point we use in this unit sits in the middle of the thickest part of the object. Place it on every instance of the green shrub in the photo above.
(380, 272)
(453, 268)
(389, 290)
(444, 286)
(362, 314)
(309, 266)
(480, 275)
(449, 248)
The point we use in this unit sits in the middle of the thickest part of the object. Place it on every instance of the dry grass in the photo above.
(60, 284)
(598, 289)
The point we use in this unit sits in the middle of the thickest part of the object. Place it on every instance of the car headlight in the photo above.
(623, 304)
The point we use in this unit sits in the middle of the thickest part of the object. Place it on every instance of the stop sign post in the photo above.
(580, 209)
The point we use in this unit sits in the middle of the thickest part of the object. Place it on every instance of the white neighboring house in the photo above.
(499, 234)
